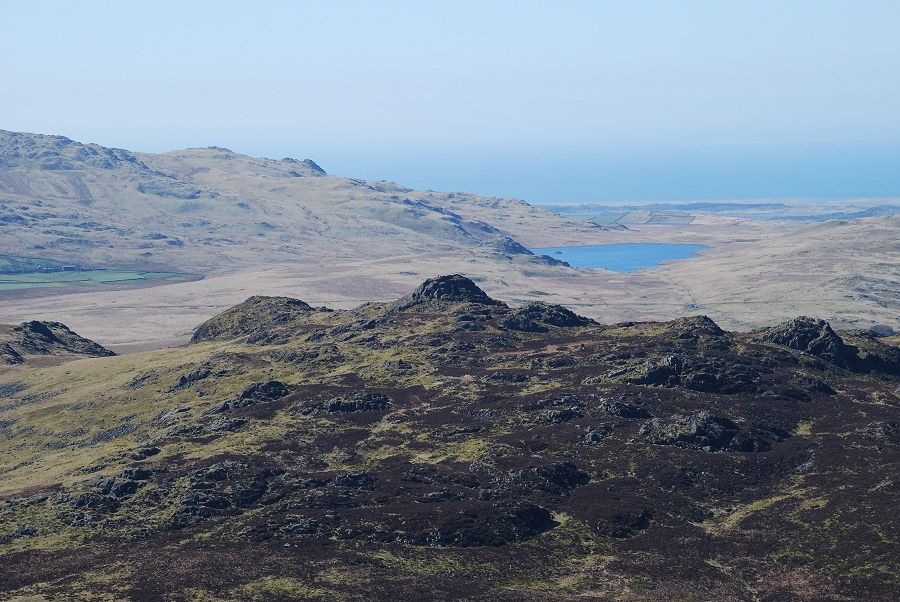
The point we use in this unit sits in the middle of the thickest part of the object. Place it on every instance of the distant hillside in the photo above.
(215, 227)
(205, 209)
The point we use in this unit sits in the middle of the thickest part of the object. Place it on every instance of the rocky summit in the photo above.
(40, 338)
(449, 446)
(451, 288)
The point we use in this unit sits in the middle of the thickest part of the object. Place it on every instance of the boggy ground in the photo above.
(446, 446)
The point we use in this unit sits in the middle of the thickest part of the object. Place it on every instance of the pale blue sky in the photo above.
(542, 100)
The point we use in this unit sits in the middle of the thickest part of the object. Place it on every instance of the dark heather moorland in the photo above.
(446, 445)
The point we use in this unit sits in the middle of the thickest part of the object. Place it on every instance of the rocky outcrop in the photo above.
(46, 338)
(694, 327)
(665, 372)
(255, 319)
(9, 356)
(55, 153)
(537, 316)
(814, 337)
(508, 246)
(400, 432)
(257, 393)
(624, 409)
(455, 288)
(194, 376)
(703, 431)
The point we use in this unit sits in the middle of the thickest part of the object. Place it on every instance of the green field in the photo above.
(12, 263)
(42, 279)
(605, 219)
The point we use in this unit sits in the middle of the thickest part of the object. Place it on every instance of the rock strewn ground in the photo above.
(435, 447)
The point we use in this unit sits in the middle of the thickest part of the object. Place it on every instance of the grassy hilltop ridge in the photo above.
(447, 445)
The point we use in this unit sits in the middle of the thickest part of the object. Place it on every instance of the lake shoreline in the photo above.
(622, 257)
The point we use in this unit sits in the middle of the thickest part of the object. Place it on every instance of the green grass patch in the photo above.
(49, 279)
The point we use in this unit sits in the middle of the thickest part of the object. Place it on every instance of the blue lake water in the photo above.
(625, 257)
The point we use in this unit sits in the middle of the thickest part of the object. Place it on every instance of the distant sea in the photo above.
(811, 171)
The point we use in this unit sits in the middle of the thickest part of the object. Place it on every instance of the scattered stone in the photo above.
(10, 389)
(887, 432)
(593, 437)
(190, 378)
(623, 409)
(360, 402)
(559, 416)
(24, 531)
(359, 480)
(113, 433)
(505, 377)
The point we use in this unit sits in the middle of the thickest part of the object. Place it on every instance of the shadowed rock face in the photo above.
(9, 355)
(454, 288)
